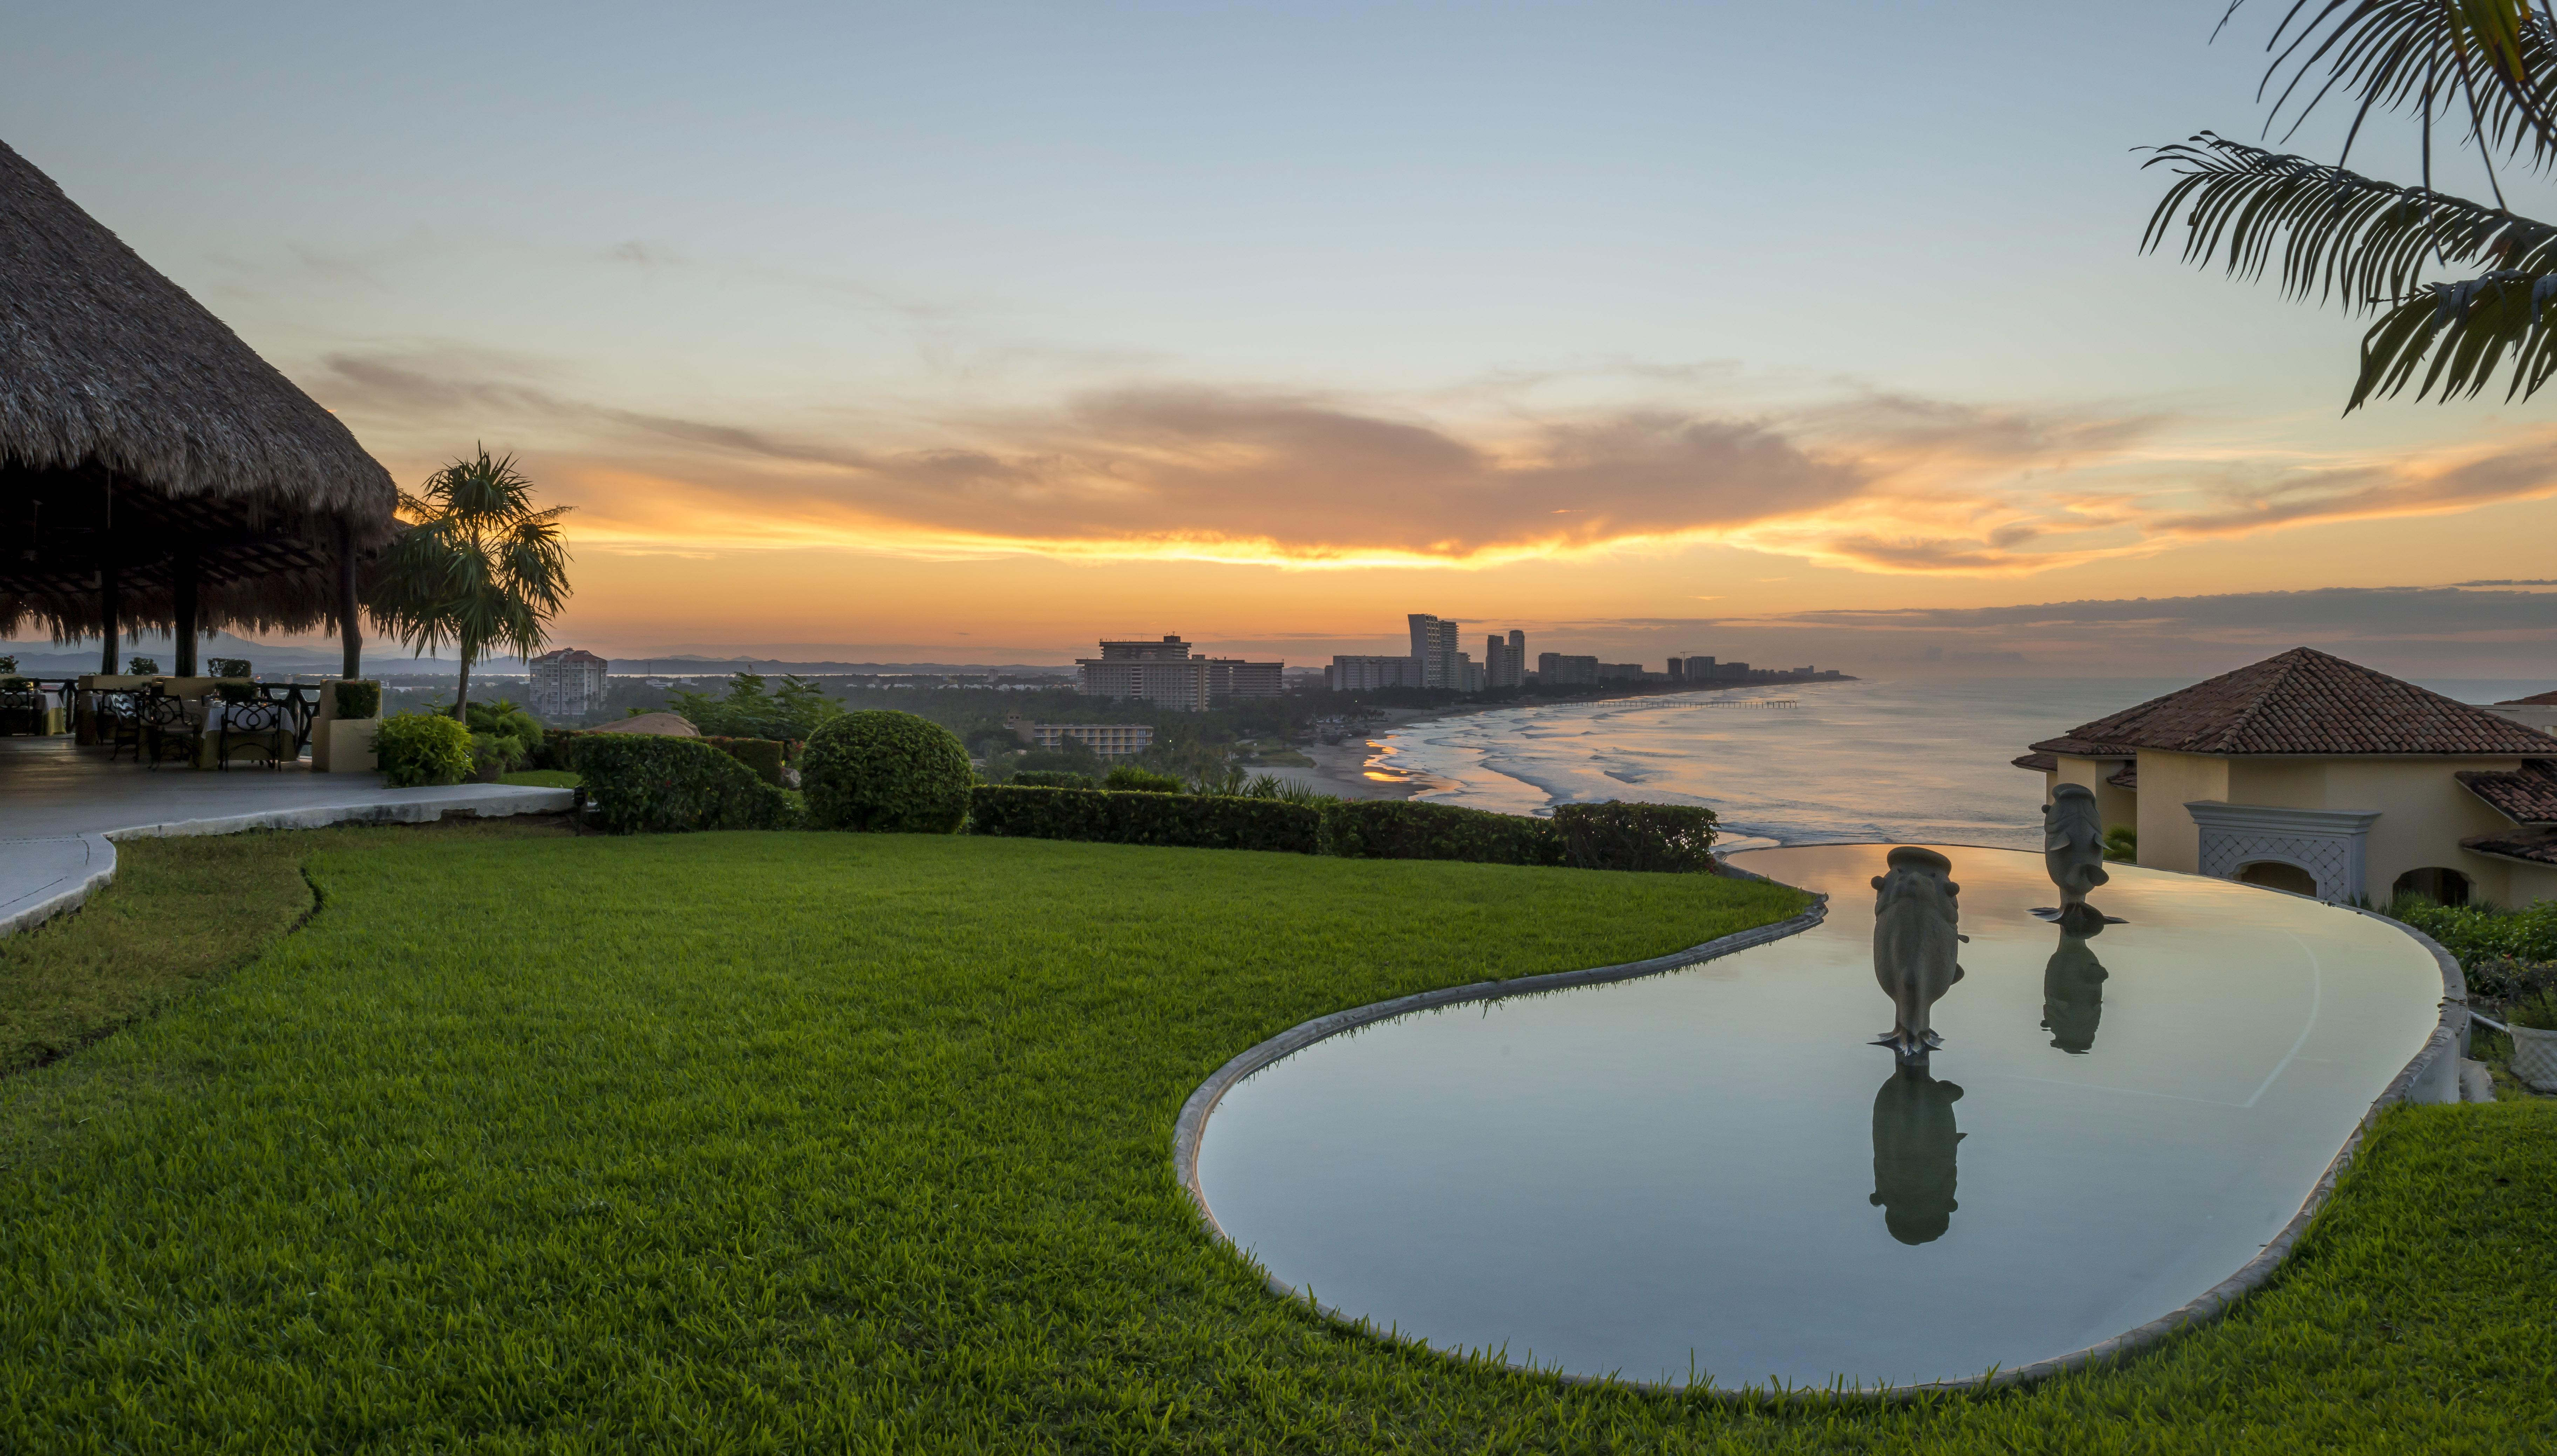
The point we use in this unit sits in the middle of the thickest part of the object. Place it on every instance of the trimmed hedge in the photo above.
(1053, 778)
(885, 772)
(1106, 816)
(1668, 839)
(641, 783)
(357, 698)
(422, 749)
(763, 755)
(558, 749)
(1401, 829)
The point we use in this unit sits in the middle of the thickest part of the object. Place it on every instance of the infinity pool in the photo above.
(1709, 1176)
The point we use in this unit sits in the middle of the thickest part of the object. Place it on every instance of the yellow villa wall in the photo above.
(2118, 807)
(2424, 812)
(2169, 838)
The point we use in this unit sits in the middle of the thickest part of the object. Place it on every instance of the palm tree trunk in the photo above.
(461, 695)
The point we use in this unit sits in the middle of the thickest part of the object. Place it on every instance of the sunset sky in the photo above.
(974, 332)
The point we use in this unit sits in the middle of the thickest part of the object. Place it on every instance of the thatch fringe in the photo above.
(102, 360)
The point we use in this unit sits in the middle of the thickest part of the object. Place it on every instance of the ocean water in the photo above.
(1913, 761)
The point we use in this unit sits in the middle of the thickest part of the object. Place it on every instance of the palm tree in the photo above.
(2460, 284)
(477, 565)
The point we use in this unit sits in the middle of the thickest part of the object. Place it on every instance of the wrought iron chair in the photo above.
(120, 719)
(165, 721)
(256, 723)
(301, 706)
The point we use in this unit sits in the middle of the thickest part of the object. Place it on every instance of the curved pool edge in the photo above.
(2430, 1076)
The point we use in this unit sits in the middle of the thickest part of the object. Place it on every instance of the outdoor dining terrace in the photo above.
(63, 803)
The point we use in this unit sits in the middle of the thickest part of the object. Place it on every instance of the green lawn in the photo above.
(542, 778)
(837, 1143)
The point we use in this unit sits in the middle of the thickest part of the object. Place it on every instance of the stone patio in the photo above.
(62, 806)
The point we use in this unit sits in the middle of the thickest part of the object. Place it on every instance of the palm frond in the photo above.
(2336, 236)
(2487, 66)
(2469, 330)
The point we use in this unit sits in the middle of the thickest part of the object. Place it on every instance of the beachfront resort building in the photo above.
(1360, 674)
(2308, 773)
(1504, 660)
(1433, 646)
(1162, 671)
(567, 684)
(1105, 740)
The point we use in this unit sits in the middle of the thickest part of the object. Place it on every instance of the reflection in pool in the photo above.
(1713, 1175)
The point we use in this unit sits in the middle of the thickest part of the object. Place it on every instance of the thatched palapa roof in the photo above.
(137, 428)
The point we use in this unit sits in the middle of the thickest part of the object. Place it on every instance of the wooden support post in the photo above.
(110, 605)
(350, 634)
(111, 589)
(185, 613)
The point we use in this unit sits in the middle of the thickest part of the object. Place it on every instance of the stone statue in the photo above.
(2073, 996)
(1913, 1153)
(2072, 843)
(1914, 943)
(2073, 850)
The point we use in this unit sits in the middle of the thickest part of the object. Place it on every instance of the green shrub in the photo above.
(418, 749)
(1128, 778)
(497, 752)
(502, 717)
(1400, 828)
(1667, 838)
(763, 755)
(2479, 933)
(641, 783)
(1072, 757)
(357, 698)
(1186, 820)
(887, 772)
(2505, 978)
(142, 667)
(557, 746)
(2538, 1011)
(2122, 845)
(1051, 778)
(1271, 786)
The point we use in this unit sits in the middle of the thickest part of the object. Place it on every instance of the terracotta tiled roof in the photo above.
(2525, 796)
(2535, 699)
(569, 654)
(2301, 702)
(2039, 763)
(2128, 778)
(2538, 849)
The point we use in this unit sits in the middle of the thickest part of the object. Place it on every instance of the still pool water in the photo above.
(1710, 1175)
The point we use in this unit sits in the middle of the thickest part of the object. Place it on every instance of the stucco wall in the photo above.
(2424, 812)
(2169, 838)
(2527, 882)
(2116, 806)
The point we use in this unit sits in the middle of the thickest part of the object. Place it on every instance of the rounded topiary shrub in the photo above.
(887, 773)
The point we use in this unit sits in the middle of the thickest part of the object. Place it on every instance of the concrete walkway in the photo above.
(62, 808)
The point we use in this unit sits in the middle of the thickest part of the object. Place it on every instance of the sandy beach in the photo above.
(1348, 769)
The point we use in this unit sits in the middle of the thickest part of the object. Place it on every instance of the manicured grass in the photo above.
(841, 1143)
(182, 912)
(542, 778)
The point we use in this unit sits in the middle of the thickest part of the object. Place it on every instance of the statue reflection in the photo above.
(2072, 995)
(1913, 1153)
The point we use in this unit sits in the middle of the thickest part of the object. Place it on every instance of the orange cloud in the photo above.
(1886, 484)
